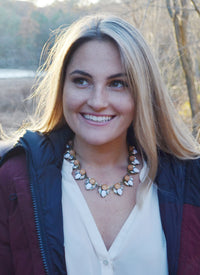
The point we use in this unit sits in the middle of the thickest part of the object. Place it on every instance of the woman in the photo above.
(107, 181)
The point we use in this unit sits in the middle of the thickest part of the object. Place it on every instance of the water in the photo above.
(15, 73)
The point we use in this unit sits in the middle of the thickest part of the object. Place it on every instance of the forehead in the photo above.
(96, 53)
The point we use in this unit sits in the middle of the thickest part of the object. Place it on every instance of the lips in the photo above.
(94, 118)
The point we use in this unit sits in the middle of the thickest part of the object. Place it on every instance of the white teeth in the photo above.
(98, 118)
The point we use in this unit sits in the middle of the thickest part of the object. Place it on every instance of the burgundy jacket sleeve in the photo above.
(7, 200)
(189, 258)
(19, 249)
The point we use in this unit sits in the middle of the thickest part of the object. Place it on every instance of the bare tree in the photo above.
(179, 13)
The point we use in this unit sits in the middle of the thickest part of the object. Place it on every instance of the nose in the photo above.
(98, 98)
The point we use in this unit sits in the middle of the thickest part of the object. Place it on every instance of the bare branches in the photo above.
(169, 8)
(146, 10)
(197, 9)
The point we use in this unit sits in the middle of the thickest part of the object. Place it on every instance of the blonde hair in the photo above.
(155, 126)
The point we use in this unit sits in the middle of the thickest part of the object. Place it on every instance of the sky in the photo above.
(40, 3)
(43, 3)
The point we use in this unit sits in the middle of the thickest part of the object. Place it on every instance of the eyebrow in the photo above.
(88, 75)
(80, 72)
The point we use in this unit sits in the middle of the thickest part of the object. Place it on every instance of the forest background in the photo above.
(171, 27)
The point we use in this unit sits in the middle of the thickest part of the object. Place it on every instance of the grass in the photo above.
(14, 108)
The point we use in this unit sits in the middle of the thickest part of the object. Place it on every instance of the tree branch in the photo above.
(197, 9)
(169, 8)
(146, 9)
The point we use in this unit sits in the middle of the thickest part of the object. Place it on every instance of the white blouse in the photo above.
(139, 248)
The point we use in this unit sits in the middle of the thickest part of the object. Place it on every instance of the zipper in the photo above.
(35, 211)
(38, 231)
(36, 219)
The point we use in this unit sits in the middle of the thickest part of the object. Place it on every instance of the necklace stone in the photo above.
(91, 183)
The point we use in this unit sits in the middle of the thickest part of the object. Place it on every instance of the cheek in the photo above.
(69, 101)
(129, 113)
(68, 105)
(68, 109)
(126, 106)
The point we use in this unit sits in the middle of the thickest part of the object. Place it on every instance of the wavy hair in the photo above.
(155, 125)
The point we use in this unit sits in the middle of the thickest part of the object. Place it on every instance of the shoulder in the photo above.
(13, 166)
(42, 149)
(193, 166)
(181, 176)
(192, 182)
(12, 170)
(34, 148)
(170, 169)
(172, 164)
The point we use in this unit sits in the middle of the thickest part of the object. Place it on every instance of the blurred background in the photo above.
(171, 27)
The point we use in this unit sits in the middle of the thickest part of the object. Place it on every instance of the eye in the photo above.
(80, 81)
(119, 84)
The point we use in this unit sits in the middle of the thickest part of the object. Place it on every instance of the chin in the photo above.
(98, 140)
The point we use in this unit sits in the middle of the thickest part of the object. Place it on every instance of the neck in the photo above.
(108, 154)
(113, 158)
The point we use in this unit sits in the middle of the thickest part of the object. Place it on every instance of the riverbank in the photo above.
(16, 73)
(14, 108)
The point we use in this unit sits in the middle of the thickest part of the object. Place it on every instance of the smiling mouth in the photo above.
(97, 118)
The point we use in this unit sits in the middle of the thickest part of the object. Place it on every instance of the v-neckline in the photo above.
(134, 243)
(93, 230)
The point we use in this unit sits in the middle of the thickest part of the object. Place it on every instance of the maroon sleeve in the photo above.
(6, 200)
(189, 258)
(19, 247)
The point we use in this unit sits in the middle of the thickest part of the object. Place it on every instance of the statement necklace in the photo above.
(91, 183)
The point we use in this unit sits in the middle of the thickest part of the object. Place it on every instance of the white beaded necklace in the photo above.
(91, 183)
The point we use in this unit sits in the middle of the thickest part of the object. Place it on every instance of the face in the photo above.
(97, 103)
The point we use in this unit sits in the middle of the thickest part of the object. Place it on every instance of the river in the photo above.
(16, 73)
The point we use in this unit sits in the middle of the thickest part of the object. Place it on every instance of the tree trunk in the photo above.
(179, 15)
